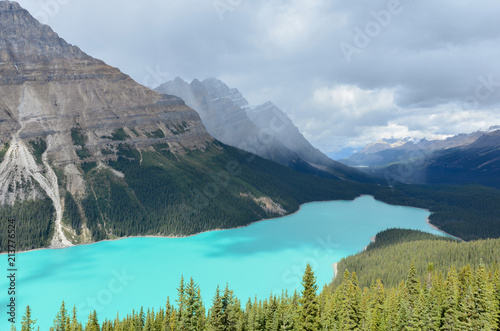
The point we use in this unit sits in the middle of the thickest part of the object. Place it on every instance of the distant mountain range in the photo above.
(461, 159)
(264, 130)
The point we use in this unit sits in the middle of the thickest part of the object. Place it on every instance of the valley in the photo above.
(271, 255)
(136, 205)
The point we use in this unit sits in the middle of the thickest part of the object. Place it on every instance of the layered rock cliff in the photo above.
(71, 109)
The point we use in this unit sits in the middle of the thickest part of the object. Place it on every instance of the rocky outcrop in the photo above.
(49, 87)
(79, 108)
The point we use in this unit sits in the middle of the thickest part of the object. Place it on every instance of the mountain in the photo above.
(88, 154)
(342, 153)
(222, 115)
(463, 159)
(387, 151)
(76, 109)
(477, 162)
(264, 130)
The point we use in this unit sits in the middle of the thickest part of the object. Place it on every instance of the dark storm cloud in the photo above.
(347, 72)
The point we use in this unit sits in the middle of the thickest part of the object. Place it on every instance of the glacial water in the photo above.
(266, 256)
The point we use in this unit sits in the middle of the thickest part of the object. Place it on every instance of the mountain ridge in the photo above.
(109, 158)
(462, 159)
(264, 130)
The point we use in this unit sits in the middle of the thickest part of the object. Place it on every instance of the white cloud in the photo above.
(294, 25)
(353, 101)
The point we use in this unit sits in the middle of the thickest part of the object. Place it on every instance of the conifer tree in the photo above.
(148, 325)
(496, 300)
(142, 319)
(92, 322)
(356, 298)
(347, 311)
(180, 305)
(27, 323)
(60, 320)
(434, 302)
(483, 300)
(231, 309)
(170, 319)
(309, 310)
(216, 322)
(403, 309)
(377, 306)
(193, 315)
(390, 315)
(417, 317)
(412, 284)
(451, 302)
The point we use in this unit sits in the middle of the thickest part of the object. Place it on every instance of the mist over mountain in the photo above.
(342, 153)
(264, 130)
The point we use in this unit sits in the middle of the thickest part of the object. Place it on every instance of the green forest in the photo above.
(390, 257)
(436, 283)
(161, 193)
(464, 299)
(167, 194)
(34, 222)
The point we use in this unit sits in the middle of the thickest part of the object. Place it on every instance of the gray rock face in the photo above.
(264, 130)
(49, 87)
(270, 116)
(220, 110)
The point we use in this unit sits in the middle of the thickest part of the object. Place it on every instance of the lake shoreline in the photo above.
(438, 229)
(233, 228)
(373, 239)
(183, 236)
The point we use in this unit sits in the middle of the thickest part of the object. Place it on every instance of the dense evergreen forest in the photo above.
(465, 299)
(389, 258)
(166, 194)
(160, 193)
(466, 211)
(163, 193)
(34, 221)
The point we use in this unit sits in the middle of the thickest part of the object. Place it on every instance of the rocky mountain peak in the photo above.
(25, 39)
(220, 90)
(9, 5)
(74, 106)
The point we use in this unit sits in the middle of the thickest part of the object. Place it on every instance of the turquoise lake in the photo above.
(266, 256)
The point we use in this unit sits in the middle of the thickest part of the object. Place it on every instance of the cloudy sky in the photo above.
(347, 72)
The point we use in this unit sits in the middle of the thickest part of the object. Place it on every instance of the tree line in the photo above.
(465, 299)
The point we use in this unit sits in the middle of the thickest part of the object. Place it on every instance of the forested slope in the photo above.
(394, 250)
